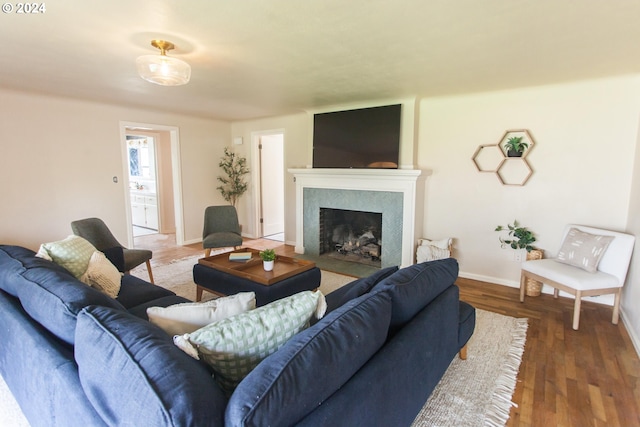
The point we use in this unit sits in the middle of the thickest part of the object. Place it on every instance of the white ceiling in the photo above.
(256, 58)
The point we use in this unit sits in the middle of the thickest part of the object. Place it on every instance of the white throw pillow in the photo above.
(430, 250)
(102, 275)
(179, 319)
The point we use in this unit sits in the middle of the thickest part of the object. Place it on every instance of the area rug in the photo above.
(473, 392)
(478, 391)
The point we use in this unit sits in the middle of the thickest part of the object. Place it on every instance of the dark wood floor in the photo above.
(589, 377)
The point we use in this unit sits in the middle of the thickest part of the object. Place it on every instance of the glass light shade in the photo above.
(163, 70)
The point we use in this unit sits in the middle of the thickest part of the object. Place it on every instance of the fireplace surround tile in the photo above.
(389, 204)
(349, 189)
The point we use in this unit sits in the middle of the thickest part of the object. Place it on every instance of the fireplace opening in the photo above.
(354, 236)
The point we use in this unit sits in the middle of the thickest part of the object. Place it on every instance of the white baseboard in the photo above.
(635, 339)
(192, 241)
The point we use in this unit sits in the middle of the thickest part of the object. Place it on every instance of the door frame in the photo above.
(256, 175)
(176, 172)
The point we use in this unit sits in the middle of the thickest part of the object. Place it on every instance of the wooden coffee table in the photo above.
(223, 277)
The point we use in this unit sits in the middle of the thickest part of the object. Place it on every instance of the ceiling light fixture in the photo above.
(161, 69)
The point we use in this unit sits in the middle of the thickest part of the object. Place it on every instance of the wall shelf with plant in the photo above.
(507, 158)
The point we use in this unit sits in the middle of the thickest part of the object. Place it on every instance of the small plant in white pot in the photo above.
(268, 258)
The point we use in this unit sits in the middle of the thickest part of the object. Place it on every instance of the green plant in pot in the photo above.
(522, 238)
(268, 257)
(515, 147)
(233, 184)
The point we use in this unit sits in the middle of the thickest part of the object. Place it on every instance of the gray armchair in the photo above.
(221, 228)
(98, 234)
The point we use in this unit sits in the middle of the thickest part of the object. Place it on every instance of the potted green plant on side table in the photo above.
(523, 238)
(268, 257)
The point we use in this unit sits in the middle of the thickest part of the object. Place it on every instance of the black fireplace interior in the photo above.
(353, 236)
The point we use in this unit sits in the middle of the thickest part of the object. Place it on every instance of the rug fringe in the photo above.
(498, 412)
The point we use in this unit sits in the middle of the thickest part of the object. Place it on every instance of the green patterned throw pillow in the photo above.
(235, 345)
(72, 253)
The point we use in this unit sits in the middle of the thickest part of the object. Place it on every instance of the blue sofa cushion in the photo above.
(413, 287)
(312, 365)
(14, 260)
(134, 375)
(48, 292)
(356, 288)
(135, 291)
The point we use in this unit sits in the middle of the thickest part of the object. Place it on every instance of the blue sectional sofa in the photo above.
(72, 356)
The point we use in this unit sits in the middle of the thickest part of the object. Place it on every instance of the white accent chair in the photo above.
(608, 279)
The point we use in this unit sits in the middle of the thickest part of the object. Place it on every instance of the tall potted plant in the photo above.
(233, 184)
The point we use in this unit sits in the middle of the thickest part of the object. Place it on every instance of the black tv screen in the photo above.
(362, 138)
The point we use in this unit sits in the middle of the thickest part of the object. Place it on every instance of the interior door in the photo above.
(272, 184)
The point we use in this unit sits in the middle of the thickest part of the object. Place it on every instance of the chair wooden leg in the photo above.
(463, 352)
(616, 308)
(576, 311)
(199, 293)
(207, 252)
(523, 280)
(149, 271)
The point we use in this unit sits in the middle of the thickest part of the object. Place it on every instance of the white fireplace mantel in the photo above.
(405, 181)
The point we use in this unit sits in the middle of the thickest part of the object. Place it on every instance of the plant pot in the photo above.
(268, 265)
(513, 153)
(533, 288)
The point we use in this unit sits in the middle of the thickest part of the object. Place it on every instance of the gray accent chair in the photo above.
(98, 234)
(221, 228)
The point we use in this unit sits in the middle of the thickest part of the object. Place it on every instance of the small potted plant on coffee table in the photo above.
(268, 258)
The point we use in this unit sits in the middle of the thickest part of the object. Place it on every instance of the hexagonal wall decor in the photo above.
(488, 158)
(514, 171)
(495, 158)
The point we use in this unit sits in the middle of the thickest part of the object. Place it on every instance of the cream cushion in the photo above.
(571, 276)
(102, 275)
(179, 319)
(430, 250)
(583, 250)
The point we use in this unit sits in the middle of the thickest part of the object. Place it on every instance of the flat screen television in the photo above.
(362, 138)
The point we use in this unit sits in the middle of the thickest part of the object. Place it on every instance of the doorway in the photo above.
(143, 179)
(152, 180)
(270, 149)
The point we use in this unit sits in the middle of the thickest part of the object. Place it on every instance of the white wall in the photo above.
(586, 137)
(631, 292)
(58, 157)
(296, 152)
